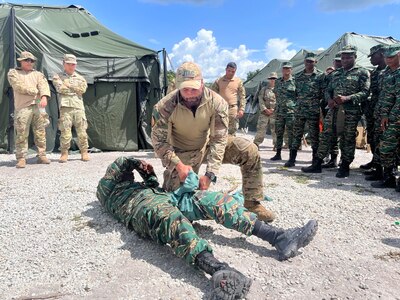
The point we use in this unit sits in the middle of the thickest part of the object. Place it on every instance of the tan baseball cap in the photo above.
(26, 55)
(188, 75)
(273, 75)
(70, 59)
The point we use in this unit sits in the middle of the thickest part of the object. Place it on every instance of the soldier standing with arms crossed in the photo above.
(190, 126)
(31, 91)
(346, 91)
(70, 86)
(266, 101)
(232, 90)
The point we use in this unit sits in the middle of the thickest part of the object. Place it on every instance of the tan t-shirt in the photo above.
(231, 90)
(27, 87)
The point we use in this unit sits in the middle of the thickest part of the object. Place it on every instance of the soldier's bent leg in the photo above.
(262, 124)
(39, 134)
(65, 125)
(242, 152)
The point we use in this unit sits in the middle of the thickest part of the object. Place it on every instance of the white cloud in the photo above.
(278, 48)
(154, 41)
(212, 58)
(340, 5)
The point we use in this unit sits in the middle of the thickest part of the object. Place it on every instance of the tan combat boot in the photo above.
(43, 160)
(262, 213)
(64, 156)
(21, 163)
(85, 155)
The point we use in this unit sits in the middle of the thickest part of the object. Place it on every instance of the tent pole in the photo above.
(12, 64)
(165, 80)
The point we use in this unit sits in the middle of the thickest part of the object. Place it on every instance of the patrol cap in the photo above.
(188, 75)
(70, 59)
(392, 50)
(338, 56)
(273, 75)
(375, 49)
(349, 49)
(287, 64)
(231, 65)
(26, 55)
(310, 56)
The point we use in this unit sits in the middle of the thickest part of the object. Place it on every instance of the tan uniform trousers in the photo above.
(262, 124)
(69, 117)
(22, 122)
(233, 120)
(239, 151)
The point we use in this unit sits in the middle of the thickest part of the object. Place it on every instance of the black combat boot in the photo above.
(277, 155)
(314, 168)
(226, 282)
(344, 170)
(292, 159)
(332, 163)
(367, 166)
(314, 154)
(388, 181)
(376, 174)
(287, 242)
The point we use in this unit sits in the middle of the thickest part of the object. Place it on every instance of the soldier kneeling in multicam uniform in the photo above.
(166, 218)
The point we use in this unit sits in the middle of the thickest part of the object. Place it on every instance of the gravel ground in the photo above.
(58, 243)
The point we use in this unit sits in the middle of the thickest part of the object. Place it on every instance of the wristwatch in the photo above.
(212, 177)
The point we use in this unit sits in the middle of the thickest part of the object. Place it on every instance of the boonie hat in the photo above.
(273, 75)
(26, 55)
(348, 49)
(392, 50)
(70, 59)
(188, 75)
(375, 49)
(287, 64)
(310, 56)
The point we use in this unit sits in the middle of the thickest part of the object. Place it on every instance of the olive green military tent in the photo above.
(123, 77)
(325, 59)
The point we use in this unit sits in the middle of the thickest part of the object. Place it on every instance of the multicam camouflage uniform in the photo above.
(309, 90)
(72, 111)
(266, 100)
(149, 211)
(285, 91)
(233, 92)
(28, 87)
(390, 108)
(178, 134)
(354, 83)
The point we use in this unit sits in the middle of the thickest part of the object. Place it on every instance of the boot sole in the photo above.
(229, 285)
(310, 230)
(306, 171)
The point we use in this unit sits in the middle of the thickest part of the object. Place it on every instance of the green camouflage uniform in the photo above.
(376, 78)
(28, 88)
(72, 111)
(149, 211)
(285, 92)
(390, 108)
(354, 83)
(178, 134)
(266, 100)
(309, 95)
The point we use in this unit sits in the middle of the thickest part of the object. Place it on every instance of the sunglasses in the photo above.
(29, 60)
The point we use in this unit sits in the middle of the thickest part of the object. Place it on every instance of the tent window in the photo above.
(82, 34)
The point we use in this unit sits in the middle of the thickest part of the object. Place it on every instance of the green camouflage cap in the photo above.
(338, 56)
(392, 50)
(348, 49)
(375, 49)
(188, 75)
(287, 64)
(310, 56)
(26, 55)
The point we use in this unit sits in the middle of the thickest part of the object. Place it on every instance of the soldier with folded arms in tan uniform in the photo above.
(31, 90)
(70, 86)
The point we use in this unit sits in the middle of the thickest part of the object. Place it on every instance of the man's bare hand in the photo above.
(204, 183)
(183, 171)
(239, 114)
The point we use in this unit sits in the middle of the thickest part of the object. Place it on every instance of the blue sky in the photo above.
(251, 33)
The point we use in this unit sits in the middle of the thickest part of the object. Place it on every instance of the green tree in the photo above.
(250, 74)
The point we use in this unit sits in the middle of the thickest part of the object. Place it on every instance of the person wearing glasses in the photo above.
(31, 91)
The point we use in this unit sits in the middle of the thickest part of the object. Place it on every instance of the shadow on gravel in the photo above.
(393, 212)
(393, 242)
(147, 250)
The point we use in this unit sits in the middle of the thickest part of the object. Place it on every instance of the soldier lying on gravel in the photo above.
(166, 218)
